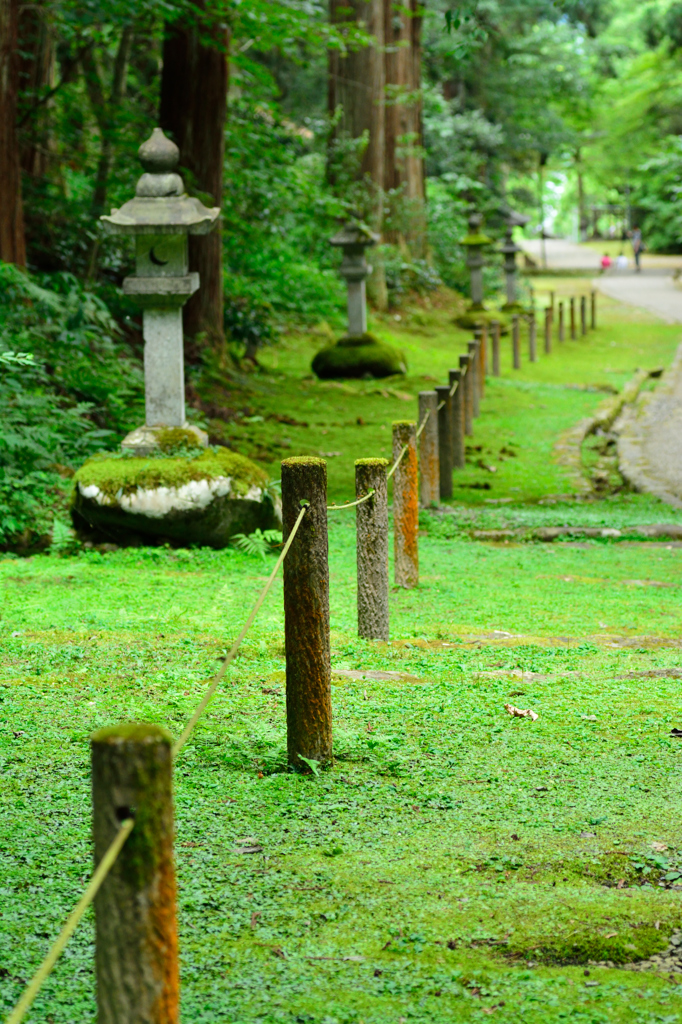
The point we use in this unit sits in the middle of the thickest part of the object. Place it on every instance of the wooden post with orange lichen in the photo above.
(136, 939)
(306, 612)
(372, 548)
(405, 506)
(429, 483)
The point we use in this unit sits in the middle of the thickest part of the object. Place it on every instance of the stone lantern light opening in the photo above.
(161, 216)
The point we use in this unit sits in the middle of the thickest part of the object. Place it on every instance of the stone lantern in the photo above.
(509, 249)
(161, 216)
(354, 237)
(475, 241)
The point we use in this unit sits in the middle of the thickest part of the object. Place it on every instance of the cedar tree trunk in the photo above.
(12, 240)
(193, 109)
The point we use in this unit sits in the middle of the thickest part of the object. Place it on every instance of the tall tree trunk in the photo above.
(193, 109)
(36, 84)
(404, 160)
(12, 240)
(357, 109)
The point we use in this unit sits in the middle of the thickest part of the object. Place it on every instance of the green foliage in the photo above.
(259, 542)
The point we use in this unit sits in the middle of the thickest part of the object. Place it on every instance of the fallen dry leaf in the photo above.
(520, 713)
(659, 847)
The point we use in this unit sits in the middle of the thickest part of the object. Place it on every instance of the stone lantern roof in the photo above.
(161, 206)
(355, 233)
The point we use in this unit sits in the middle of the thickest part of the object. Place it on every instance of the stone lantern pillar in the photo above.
(509, 249)
(354, 237)
(160, 217)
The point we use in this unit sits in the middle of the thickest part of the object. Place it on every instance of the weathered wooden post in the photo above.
(306, 612)
(444, 401)
(496, 327)
(483, 361)
(467, 396)
(516, 342)
(473, 349)
(548, 329)
(532, 340)
(406, 506)
(593, 305)
(552, 296)
(372, 548)
(562, 332)
(583, 315)
(429, 467)
(136, 938)
(573, 335)
(455, 377)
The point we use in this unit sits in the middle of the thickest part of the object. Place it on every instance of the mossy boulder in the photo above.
(358, 355)
(199, 497)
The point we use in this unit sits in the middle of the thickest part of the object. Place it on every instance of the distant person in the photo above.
(637, 246)
(622, 261)
(605, 261)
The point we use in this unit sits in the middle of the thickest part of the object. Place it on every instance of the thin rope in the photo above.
(72, 921)
(351, 504)
(423, 423)
(201, 707)
(396, 463)
(441, 405)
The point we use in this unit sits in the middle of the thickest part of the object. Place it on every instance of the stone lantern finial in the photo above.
(161, 216)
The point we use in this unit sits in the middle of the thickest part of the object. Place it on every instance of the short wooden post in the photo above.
(455, 377)
(429, 471)
(548, 329)
(473, 350)
(136, 937)
(405, 506)
(561, 331)
(306, 612)
(532, 339)
(593, 305)
(573, 334)
(516, 342)
(552, 296)
(444, 440)
(496, 326)
(467, 397)
(372, 548)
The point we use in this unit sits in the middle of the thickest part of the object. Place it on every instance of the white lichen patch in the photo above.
(158, 502)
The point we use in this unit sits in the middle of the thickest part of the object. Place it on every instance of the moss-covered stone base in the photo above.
(477, 317)
(358, 355)
(187, 499)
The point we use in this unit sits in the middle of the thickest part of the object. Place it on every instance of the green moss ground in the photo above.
(450, 845)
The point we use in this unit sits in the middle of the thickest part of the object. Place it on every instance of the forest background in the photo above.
(291, 115)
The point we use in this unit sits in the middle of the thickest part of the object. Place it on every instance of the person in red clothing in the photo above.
(605, 261)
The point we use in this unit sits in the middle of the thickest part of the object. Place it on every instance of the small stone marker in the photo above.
(455, 377)
(467, 397)
(573, 334)
(306, 612)
(444, 440)
(516, 342)
(583, 315)
(372, 548)
(548, 329)
(160, 217)
(473, 351)
(136, 937)
(561, 322)
(593, 305)
(532, 342)
(405, 506)
(429, 465)
(496, 329)
(354, 237)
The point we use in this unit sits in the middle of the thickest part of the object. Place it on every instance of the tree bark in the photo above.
(357, 109)
(12, 237)
(193, 109)
(404, 134)
(36, 74)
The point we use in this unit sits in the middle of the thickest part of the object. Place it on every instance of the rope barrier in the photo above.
(351, 504)
(422, 424)
(397, 462)
(201, 707)
(109, 858)
(72, 921)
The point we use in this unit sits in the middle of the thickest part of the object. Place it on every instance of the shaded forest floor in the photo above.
(454, 863)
